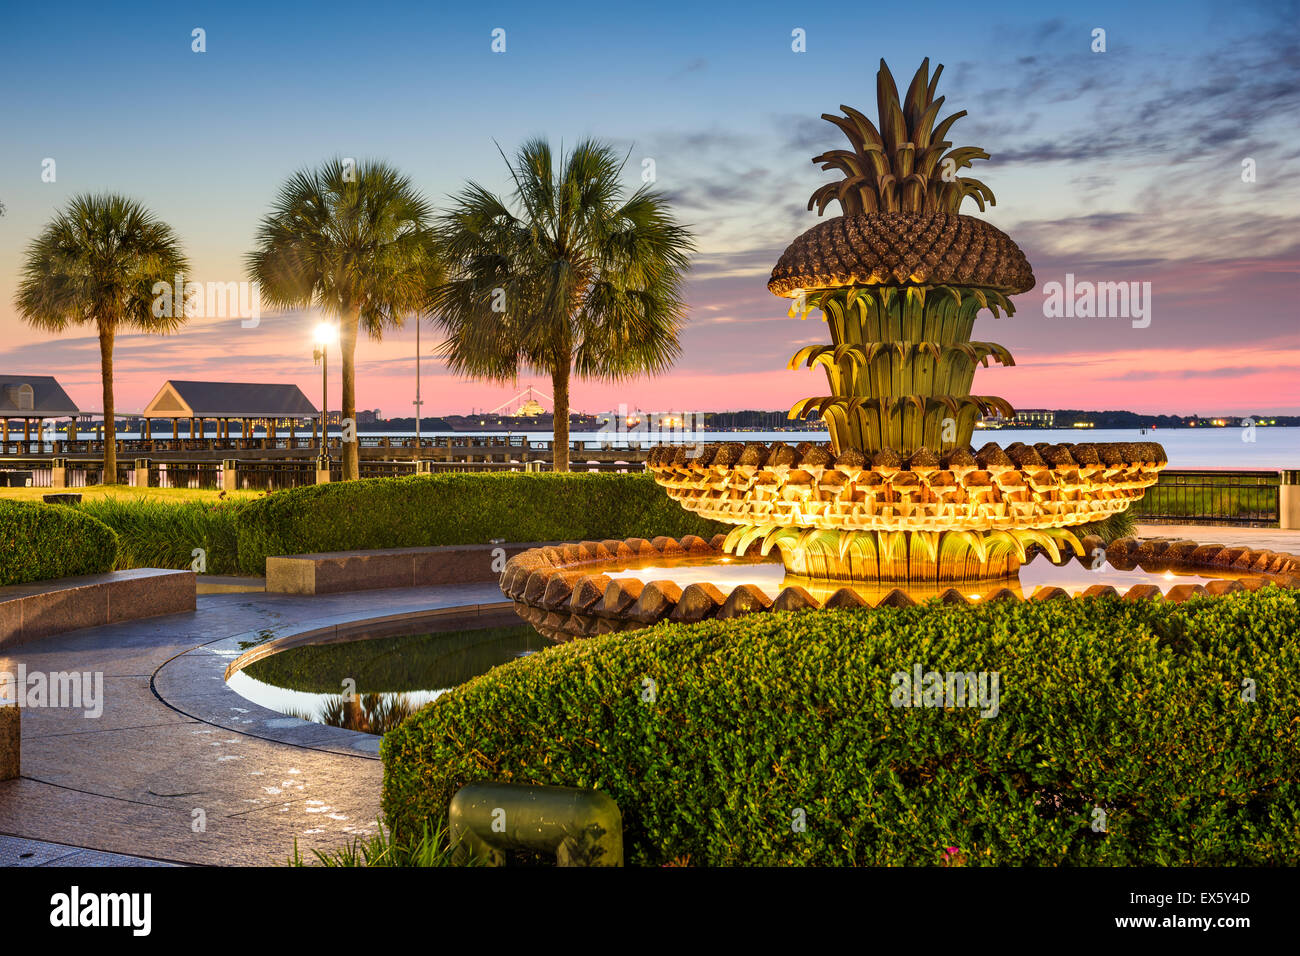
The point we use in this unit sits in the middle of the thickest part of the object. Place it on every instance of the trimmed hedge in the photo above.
(39, 542)
(164, 534)
(458, 508)
(1134, 707)
(423, 510)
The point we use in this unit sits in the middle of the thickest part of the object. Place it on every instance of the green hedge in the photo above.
(424, 510)
(1135, 707)
(164, 534)
(39, 542)
(458, 509)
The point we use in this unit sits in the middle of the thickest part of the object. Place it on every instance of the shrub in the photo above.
(1122, 524)
(456, 508)
(163, 534)
(1133, 707)
(39, 542)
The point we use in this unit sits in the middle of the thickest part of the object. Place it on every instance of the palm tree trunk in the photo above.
(110, 426)
(348, 346)
(560, 389)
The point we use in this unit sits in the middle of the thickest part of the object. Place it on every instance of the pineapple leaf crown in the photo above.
(905, 166)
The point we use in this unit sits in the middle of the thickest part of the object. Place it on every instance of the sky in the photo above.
(1117, 166)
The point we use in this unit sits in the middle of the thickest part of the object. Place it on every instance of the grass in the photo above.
(165, 531)
(432, 848)
(1119, 525)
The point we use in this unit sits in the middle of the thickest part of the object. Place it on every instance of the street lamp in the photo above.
(417, 403)
(325, 333)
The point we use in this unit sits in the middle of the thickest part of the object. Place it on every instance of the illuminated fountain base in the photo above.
(591, 588)
(911, 559)
(918, 521)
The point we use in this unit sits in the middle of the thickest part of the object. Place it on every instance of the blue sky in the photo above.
(1115, 166)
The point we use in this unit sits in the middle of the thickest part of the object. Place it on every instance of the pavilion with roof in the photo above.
(32, 398)
(223, 402)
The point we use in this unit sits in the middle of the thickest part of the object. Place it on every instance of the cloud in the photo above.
(696, 65)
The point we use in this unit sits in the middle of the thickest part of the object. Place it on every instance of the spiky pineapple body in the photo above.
(901, 249)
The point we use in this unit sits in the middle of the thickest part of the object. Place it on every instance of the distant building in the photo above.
(1038, 417)
(1024, 418)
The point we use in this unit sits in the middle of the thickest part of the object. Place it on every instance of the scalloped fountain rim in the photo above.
(565, 592)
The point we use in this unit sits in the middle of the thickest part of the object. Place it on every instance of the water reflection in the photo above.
(368, 713)
(373, 684)
(1072, 575)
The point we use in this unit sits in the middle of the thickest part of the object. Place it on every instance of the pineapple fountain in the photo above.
(898, 495)
(898, 506)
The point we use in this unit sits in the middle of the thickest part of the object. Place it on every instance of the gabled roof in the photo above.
(34, 396)
(178, 399)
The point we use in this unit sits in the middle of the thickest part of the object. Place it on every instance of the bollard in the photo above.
(1288, 501)
(229, 475)
(581, 827)
(59, 473)
(142, 473)
(10, 742)
(323, 470)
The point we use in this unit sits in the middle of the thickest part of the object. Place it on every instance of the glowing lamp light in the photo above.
(325, 334)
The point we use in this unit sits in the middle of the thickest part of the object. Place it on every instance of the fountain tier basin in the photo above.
(597, 587)
(921, 519)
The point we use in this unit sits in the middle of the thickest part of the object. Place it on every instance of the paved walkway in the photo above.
(1271, 539)
(15, 851)
(180, 768)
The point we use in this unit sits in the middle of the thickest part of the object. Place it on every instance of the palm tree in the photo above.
(97, 262)
(353, 241)
(574, 279)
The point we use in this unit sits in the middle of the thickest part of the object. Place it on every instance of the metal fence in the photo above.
(185, 474)
(273, 475)
(1249, 498)
(38, 473)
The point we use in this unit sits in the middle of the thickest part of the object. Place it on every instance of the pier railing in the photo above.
(441, 447)
(1248, 498)
(265, 474)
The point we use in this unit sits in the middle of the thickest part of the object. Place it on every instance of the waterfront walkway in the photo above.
(1271, 539)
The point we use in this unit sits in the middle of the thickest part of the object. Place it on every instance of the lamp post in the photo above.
(325, 333)
(417, 403)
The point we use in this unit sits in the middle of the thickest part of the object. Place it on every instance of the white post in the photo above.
(1288, 501)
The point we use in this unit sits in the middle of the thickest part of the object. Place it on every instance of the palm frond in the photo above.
(98, 262)
(567, 273)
